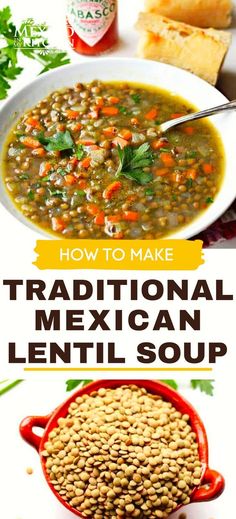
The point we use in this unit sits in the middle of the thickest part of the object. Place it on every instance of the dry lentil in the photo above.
(95, 481)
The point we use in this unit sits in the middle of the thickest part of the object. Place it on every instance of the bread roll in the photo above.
(201, 51)
(202, 13)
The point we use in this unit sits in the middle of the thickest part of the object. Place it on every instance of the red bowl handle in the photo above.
(26, 429)
(212, 486)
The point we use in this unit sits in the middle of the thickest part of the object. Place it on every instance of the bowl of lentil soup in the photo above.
(124, 448)
(82, 156)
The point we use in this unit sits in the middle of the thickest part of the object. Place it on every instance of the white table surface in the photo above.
(53, 12)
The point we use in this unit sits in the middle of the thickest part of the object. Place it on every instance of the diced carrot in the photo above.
(99, 102)
(208, 168)
(158, 144)
(118, 141)
(118, 236)
(125, 133)
(70, 180)
(177, 177)
(110, 110)
(189, 130)
(134, 121)
(61, 127)
(111, 189)
(161, 172)
(152, 114)
(113, 218)
(111, 131)
(82, 184)
(191, 173)
(58, 224)
(131, 216)
(177, 115)
(72, 114)
(167, 159)
(100, 218)
(85, 163)
(73, 162)
(113, 100)
(86, 142)
(92, 209)
(32, 121)
(76, 127)
(44, 169)
(39, 152)
(30, 142)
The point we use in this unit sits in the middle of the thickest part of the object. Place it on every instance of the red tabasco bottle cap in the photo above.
(92, 26)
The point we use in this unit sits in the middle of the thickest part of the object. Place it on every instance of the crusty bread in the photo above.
(201, 13)
(200, 51)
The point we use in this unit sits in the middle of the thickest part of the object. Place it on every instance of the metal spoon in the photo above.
(164, 127)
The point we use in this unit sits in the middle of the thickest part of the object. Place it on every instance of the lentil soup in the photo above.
(89, 162)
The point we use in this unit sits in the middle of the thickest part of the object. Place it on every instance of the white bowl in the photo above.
(176, 81)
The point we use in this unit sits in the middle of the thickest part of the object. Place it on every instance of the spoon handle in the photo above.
(164, 127)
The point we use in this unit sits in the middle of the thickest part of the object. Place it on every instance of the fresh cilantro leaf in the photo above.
(30, 195)
(80, 151)
(189, 183)
(58, 142)
(206, 386)
(209, 200)
(171, 383)
(132, 162)
(163, 150)
(174, 198)
(72, 384)
(136, 98)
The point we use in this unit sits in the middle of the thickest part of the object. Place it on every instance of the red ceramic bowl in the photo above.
(212, 483)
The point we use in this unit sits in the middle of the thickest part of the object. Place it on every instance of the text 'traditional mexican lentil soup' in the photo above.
(89, 162)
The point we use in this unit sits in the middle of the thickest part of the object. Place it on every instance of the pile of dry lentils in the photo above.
(123, 453)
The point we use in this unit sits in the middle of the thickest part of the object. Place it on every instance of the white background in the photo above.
(27, 497)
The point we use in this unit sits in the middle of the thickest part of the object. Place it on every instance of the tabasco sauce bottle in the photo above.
(92, 26)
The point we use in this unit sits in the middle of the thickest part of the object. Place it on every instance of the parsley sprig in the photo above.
(28, 39)
(132, 162)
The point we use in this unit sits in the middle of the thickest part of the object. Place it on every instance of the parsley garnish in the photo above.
(136, 98)
(189, 183)
(30, 195)
(80, 151)
(56, 192)
(149, 192)
(29, 39)
(79, 192)
(123, 110)
(60, 141)
(191, 154)
(209, 200)
(24, 176)
(133, 161)
(206, 386)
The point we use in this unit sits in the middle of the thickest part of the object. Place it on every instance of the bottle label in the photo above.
(91, 20)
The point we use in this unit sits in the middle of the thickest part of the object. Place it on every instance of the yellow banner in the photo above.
(119, 254)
